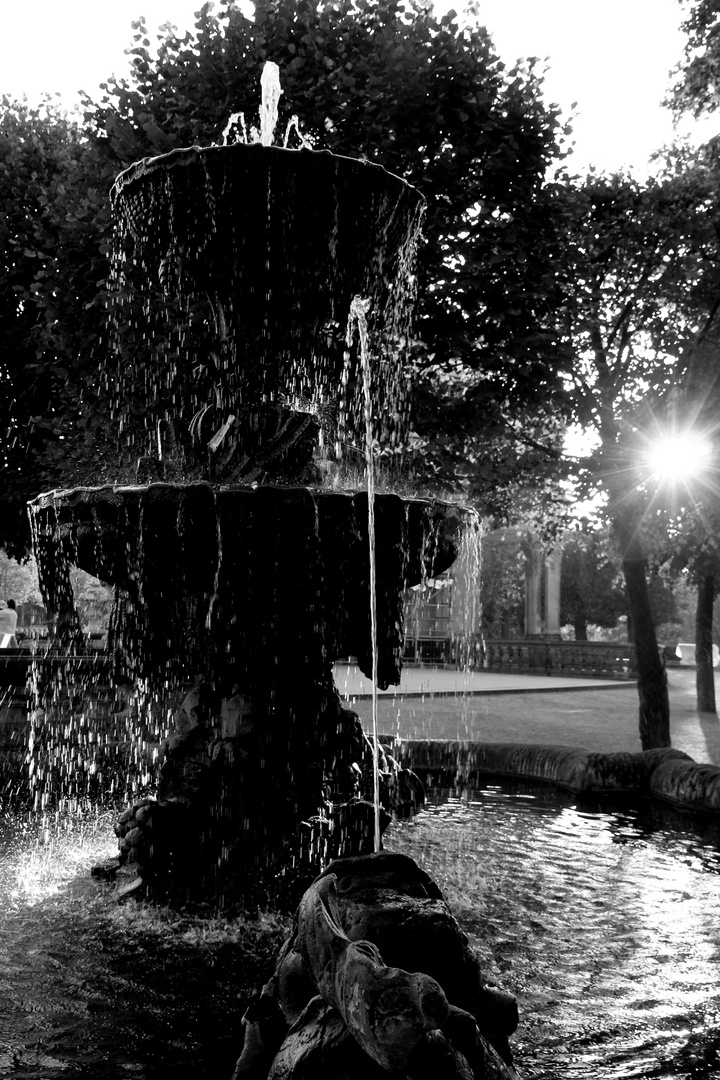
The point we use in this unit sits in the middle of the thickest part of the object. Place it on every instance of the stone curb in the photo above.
(666, 774)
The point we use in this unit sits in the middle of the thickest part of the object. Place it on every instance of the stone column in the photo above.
(552, 593)
(533, 590)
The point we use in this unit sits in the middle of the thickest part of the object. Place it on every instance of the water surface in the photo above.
(605, 925)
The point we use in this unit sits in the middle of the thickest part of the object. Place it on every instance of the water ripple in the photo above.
(605, 928)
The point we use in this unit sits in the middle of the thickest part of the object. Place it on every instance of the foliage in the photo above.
(698, 87)
(662, 598)
(93, 600)
(54, 244)
(590, 583)
(505, 457)
(637, 274)
(502, 583)
(18, 581)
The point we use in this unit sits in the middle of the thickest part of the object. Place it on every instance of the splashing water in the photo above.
(271, 91)
(358, 318)
(294, 125)
(236, 120)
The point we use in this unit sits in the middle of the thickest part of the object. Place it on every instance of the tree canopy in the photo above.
(54, 245)
(698, 87)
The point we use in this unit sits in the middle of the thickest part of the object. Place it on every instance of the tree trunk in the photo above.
(704, 675)
(580, 628)
(654, 713)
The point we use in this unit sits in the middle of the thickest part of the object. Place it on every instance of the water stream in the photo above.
(358, 318)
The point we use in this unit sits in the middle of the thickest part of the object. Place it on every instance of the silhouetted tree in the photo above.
(54, 245)
(590, 584)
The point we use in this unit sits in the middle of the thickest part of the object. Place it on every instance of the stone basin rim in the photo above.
(190, 155)
(57, 494)
(664, 774)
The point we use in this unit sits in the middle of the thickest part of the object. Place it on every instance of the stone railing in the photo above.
(598, 659)
(91, 669)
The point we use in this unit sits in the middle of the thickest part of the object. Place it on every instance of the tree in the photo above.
(422, 96)
(54, 246)
(690, 501)
(696, 554)
(637, 274)
(697, 91)
(589, 585)
(698, 87)
(18, 581)
(502, 583)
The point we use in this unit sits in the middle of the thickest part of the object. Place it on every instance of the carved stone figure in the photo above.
(376, 980)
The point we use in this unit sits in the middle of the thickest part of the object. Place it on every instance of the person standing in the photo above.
(8, 625)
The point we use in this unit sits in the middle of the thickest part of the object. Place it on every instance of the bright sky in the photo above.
(612, 58)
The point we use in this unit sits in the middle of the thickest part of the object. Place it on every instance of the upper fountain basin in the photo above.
(272, 245)
(269, 193)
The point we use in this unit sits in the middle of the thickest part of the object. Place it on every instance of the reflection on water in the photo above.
(604, 925)
(605, 928)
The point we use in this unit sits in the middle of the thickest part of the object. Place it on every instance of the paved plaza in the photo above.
(437, 703)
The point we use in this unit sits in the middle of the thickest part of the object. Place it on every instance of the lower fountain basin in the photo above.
(208, 576)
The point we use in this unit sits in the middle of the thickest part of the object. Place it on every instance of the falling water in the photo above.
(236, 119)
(358, 312)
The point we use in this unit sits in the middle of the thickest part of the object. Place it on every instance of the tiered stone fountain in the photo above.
(239, 579)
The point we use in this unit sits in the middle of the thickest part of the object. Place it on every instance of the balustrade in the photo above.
(599, 659)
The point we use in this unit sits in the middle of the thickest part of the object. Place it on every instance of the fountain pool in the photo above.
(604, 925)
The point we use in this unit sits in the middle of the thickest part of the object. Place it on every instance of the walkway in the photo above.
(488, 707)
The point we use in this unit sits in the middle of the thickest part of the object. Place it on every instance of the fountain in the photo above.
(239, 578)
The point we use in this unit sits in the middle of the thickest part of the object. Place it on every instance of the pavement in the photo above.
(479, 706)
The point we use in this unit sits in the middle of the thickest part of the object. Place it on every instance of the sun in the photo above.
(678, 458)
